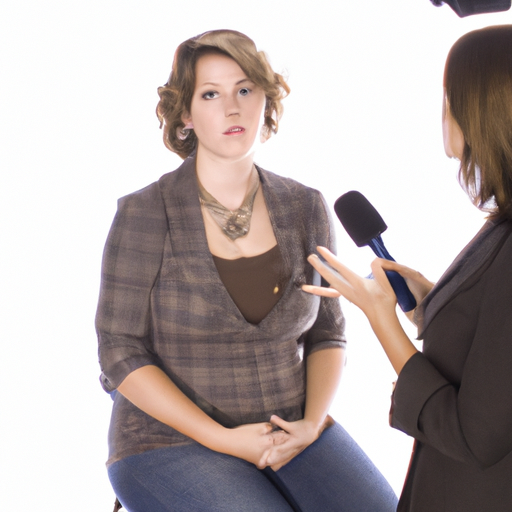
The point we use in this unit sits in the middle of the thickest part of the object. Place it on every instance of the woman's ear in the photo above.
(264, 134)
(182, 133)
(187, 121)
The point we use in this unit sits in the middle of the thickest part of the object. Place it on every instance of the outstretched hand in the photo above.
(375, 297)
(370, 295)
(359, 290)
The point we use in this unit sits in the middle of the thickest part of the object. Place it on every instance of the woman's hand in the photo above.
(152, 391)
(323, 373)
(252, 442)
(419, 285)
(370, 295)
(292, 439)
(375, 297)
(416, 282)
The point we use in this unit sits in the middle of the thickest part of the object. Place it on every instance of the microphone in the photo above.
(364, 225)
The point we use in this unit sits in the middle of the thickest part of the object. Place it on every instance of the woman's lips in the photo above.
(234, 130)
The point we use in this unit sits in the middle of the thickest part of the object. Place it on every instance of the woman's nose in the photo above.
(231, 106)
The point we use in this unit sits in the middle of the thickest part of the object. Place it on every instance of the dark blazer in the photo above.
(163, 303)
(455, 398)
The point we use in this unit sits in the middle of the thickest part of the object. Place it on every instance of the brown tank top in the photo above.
(255, 284)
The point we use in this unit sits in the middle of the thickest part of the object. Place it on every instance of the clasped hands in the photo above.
(278, 441)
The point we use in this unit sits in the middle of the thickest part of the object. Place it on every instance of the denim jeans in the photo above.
(333, 474)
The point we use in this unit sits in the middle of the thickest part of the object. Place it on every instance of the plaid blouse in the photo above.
(162, 303)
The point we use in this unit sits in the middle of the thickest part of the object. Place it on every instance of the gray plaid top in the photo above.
(162, 303)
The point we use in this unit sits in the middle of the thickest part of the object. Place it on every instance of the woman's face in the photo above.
(227, 109)
(452, 134)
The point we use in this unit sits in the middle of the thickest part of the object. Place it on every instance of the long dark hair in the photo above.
(478, 82)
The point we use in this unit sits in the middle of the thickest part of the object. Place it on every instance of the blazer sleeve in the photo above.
(328, 331)
(131, 262)
(470, 422)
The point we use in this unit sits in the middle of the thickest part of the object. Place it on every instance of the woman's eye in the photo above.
(244, 92)
(210, 95)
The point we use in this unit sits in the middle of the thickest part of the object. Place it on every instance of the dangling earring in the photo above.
(182, 133)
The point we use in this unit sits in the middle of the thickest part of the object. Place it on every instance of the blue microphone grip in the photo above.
(405, 298)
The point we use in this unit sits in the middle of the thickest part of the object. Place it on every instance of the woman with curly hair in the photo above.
(455, 397)
(221, 368)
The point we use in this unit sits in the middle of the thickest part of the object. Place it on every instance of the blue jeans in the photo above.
(333, 474)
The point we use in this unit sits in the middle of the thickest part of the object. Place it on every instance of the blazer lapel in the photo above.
(279, 210)
(487, 241)
(186, 228)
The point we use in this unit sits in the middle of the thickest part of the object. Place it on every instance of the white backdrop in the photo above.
(78, 86)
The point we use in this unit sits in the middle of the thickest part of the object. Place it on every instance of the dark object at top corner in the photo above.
(465, 8)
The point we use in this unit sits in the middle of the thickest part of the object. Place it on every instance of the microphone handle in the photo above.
(405, 298)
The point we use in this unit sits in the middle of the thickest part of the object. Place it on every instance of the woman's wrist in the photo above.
(315, 426)
(218, 439)
(394, 341)
(382, 314)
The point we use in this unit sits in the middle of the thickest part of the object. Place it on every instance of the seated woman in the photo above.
(455, 397)
(222, 369)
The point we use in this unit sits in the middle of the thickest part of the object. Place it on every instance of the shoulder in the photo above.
(501, 262)
(142, 211)
(297, 206)
(151, 197)
(282, 182)
(507, 228)
(142, 198)
(500, 242)
(291, 189)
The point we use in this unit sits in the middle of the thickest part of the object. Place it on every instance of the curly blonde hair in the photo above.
(176, 94)
(478, 82)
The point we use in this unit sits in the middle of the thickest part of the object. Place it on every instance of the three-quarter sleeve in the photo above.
(131, 262)
(465, 410)
(328, 330)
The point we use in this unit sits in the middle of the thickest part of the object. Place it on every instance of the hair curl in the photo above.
(176, 94)
(478, 82)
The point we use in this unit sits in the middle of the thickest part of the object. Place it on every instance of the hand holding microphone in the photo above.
(375, 297)
(365, 226)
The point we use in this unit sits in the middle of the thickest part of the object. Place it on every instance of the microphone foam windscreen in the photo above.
(359, 218)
